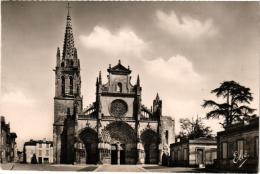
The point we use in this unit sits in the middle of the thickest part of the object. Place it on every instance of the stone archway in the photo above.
(149, 139)
(90, 139)
(122, 138)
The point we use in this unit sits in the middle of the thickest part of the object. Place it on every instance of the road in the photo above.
(100, 168)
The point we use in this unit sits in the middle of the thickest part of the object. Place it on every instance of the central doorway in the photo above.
(122, 139)
(118, 154)
(122, 154)
(113, 154)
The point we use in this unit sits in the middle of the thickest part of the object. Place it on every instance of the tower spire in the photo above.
(97, 81)
(157, 97)
(100, 78)
(138, 80)
(68, 45)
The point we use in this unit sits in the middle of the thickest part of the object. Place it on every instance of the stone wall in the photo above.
(209, 155)
(249, 139)
(167, 133)
(106, 103)
(186, 154)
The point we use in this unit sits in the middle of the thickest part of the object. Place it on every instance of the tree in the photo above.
(191, 129)
(232, 110)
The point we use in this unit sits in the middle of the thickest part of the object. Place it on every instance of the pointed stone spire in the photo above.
(138, 80)
(68, 45)
(157, 97)
(58, 57)
(97, 81)
(100, 78)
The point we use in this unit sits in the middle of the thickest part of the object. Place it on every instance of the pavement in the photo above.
(102, 168)
(164, 169)
(7, 166)
(120, 168)
(47, 167)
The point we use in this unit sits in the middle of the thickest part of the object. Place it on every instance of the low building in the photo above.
(238, 147)
(38, 151)
(8, 146)
(194, 152)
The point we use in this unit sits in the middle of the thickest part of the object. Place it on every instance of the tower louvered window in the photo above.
(62, 85)
(71, 85)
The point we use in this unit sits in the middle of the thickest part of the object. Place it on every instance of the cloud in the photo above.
(177, 69)
(25, 114)
(123, 42)
(185, 26)
(16, 98)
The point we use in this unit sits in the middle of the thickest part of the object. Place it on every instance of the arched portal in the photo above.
(123, 143)
(90, 139)
(149, 139)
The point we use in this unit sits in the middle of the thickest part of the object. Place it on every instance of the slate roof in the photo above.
(34, 142)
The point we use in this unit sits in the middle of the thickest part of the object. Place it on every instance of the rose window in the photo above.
(118, 108)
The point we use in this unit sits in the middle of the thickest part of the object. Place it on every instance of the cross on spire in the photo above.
(68, 47)
(68, 7)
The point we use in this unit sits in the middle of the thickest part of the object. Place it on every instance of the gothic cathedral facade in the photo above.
(117, 128)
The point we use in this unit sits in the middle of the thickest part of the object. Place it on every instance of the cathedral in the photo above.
(116, 128)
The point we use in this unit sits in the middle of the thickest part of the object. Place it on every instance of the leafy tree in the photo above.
(232, 110)
(191, 129)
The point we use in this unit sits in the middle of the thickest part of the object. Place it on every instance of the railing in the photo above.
(105, 89)
(148, 119)
(116, 118)
(87, 117)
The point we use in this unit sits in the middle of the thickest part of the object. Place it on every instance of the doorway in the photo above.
(46, 160)
(40, 160)
(149, 140)
(113, 154)
(92, 153)
(90, 139)
(200, 159)
(147, 153)
(122, 138)
(122, 156)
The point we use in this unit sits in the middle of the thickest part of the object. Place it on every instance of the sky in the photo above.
(182, 50)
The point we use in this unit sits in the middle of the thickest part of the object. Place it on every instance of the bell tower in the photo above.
(68, 99)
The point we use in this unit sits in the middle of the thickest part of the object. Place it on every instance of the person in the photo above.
(34, 159)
